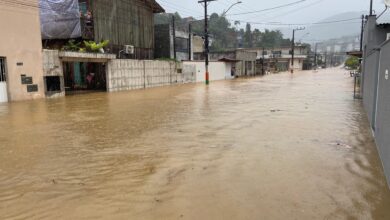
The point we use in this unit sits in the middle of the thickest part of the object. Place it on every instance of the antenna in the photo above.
(387, 3)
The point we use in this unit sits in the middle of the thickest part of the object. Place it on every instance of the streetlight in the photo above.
(224, 13)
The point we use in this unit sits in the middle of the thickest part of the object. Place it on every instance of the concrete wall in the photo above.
(125, 75)
(382, 122)
(21, 46)
(298, 64)
(217, 70)
(52, 66)
(370, 84)
(376, 98)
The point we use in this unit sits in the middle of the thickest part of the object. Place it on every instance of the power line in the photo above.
(268, 9)
(295, 24)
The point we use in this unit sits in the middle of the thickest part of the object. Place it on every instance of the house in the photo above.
(20, 56)
(122, 22)
(128, 25)
(279, 58)
(243, 62)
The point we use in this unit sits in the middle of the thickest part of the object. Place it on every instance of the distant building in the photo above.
(243, 62)
(20, 52)
(279, 59)
(172, 44)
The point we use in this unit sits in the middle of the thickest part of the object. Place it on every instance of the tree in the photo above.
(352, 62)
(225, 36)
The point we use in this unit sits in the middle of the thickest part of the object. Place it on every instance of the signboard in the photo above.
(27, 80)
(32, 88)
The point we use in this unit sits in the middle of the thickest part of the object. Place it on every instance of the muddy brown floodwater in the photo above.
(278, 147)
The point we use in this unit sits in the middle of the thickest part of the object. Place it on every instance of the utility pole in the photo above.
(262, 63)
(315, 57)
(326, 60)
(189, 41)
(293, 47)
(371, 3)
(174, 36)
(361, 35)
(206, 38)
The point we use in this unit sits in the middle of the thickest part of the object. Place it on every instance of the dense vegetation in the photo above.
(224, 35)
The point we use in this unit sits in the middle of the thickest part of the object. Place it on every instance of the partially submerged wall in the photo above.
(217, 70)
(380, 99)
(139, 74)
(370, 83)
(376, 99)
(52, 67)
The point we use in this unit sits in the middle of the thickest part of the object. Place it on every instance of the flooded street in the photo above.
(276, 147)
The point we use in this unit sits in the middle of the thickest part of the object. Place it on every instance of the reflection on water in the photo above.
(277, 147)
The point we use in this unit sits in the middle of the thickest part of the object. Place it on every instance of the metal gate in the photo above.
(3, 81)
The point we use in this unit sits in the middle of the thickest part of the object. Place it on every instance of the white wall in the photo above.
(125, 75)
(298, 64)
(217, 70)
(3, 92)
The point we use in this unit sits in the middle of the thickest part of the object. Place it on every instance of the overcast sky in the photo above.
(306, 12)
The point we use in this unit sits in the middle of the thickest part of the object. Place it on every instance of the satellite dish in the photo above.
(387, 3)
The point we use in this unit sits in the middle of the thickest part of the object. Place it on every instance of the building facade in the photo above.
(122, 22)
(243, 62)
(21, 72)
(280, 59)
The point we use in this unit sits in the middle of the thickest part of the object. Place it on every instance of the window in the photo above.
(2, 70)
(277, 53)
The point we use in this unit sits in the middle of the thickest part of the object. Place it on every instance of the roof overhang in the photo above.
(156, 7)
(70, 56)
(355, 53)
(227, 60)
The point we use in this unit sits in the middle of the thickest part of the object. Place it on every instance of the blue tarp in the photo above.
(60, 19)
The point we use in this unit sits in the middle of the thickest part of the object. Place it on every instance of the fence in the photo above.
(137, 74)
